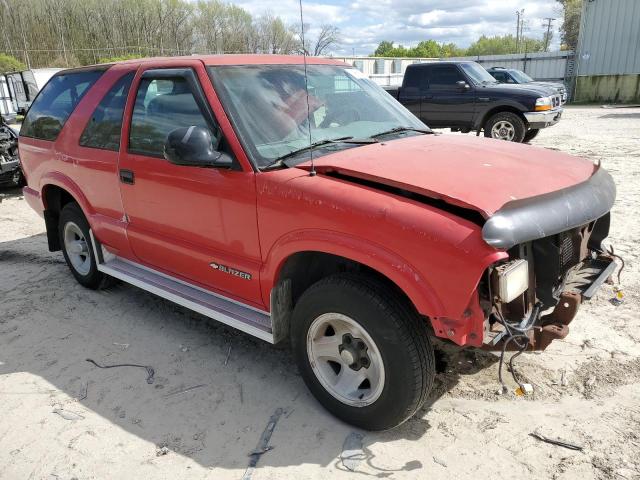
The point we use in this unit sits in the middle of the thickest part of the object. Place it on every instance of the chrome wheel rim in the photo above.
(77, 248)
(345, 359)
(503, 130)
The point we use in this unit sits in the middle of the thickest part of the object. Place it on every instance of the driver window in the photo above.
(444, 76)
(162, 105)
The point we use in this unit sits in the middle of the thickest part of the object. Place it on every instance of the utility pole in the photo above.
(547, 38)
(519, 28)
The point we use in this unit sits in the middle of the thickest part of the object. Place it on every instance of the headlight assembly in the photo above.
(543, 103)
(510, 279)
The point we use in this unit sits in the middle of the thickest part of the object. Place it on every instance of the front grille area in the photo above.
(569, 249)
(556, 101)
(554, 256)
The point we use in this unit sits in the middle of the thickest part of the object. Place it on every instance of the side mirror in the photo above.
(193, 146)
(462, 85)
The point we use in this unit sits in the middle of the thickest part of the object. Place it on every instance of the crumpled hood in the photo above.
(478, 173)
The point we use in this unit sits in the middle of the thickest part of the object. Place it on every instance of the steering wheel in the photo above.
(342, 117)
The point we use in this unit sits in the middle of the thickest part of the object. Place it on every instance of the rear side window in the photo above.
(56, 101)
(104, 128)
(162, 105)
(412, 77)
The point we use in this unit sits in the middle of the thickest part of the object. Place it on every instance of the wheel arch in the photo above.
(295, 265)
(499, 109)
(58, 190)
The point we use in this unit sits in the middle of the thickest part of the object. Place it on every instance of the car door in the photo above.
(446, 103)
(186, 221)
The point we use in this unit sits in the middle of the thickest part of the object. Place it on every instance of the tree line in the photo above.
(496, 45)
(44, 33)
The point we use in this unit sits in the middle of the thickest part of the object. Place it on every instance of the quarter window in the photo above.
(104, 129)
(55, 103)
(162, 105)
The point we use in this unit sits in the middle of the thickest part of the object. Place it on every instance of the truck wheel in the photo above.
(505, 126)
(362, 351)
(73, 230)
(531, 134)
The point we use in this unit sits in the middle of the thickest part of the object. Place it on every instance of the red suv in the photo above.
(307, 204)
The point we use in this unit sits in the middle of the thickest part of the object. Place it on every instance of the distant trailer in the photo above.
(7, 110)
(24, 86)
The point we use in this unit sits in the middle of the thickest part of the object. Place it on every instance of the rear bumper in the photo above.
(538, 120)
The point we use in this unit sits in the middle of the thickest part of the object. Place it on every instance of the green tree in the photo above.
(10, 64)
(452, 50)
(572, 11)
(384, 49)
(426, 49)
(499, 45)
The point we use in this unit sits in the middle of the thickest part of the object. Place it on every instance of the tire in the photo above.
(531, 134)
(513, 127)
(74, 227)
(393, 335)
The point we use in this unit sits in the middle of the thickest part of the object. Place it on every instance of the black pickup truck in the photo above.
(463, 96)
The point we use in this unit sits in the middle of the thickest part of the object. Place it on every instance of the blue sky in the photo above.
(364, 23)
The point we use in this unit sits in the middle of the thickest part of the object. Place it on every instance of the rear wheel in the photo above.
(362, 351)
(77, 248)
(505, 126)
(531, 134)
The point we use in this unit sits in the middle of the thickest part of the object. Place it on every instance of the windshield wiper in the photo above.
(402, 129)
(278, 162)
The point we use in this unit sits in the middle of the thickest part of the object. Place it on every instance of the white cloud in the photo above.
(364, 23)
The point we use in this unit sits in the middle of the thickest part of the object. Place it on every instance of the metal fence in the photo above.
(557, 66)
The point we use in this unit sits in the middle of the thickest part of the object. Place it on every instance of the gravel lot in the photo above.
(63, 418)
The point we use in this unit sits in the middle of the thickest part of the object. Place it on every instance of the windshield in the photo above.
(520, 76)
(268, 105)
(477, 73)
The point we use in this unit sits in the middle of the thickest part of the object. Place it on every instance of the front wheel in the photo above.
(362, 351)
(505, 126)
(531, 134)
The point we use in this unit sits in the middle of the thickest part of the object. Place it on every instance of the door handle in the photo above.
(127, 176)
(427, 97)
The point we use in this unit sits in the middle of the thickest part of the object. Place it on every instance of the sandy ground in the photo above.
(63, 418)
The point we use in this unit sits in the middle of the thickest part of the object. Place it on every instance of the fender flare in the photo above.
(63, 181)
(364, 251)
(508, 106)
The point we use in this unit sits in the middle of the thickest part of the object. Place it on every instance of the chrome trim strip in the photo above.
(191, 303)
(536, 217)
(227, 299)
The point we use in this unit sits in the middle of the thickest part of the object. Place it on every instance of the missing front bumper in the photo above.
(581, 284)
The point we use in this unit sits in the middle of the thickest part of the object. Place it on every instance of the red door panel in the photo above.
(182, 219)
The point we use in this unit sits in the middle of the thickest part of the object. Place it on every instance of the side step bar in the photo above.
(230, 312)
